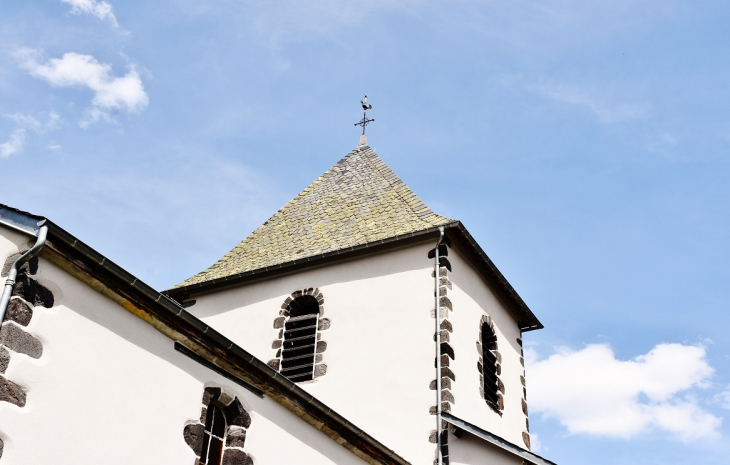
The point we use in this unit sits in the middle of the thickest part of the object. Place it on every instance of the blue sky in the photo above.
(585, 145)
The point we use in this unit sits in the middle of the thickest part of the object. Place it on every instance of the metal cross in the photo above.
(365, 120)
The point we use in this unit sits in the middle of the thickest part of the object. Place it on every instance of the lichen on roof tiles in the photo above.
(357, 201)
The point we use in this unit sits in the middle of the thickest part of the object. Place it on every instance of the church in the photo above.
(354, 326)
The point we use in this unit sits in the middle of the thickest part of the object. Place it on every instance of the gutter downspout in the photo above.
(437, 319)
(13, 273)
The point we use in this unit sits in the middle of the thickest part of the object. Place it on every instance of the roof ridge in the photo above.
(414, 202)
(310, 187)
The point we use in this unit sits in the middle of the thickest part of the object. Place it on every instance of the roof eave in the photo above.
(19, 220)
(526, 319)
(312, 260)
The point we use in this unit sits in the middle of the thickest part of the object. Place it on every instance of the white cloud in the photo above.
(33, 123)
(724, 399)
(19, 136)
(102, 10)
(590, 391)
(111, 93)
(94, 114)
(606, 112)
(663, 143)
(14, 144)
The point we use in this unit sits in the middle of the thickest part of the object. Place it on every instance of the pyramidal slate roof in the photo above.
(358, 201)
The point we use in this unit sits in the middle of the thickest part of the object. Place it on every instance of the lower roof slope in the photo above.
(357, 201)
(192, 337)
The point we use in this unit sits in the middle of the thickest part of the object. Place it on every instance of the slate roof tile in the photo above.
(357, 201)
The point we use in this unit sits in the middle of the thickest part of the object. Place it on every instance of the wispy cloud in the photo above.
(590, 391)
(290, 20)
(155, 206)
(724, 399)
(19, 137)
(102, 10)
(605, 111)
(663, 143)
(52, 122)
(111, 93)
(14, 144)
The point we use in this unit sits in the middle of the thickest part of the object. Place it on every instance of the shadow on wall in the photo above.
(382, 264)
(478, 290)
(136, 331)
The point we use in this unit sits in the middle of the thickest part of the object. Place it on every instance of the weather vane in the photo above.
(365, 120)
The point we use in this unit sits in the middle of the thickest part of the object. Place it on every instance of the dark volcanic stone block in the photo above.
(16, 339)
(30, 290)
(193, 435)
(4, 359)
(19, 311)
(11, 392)
(237, 415)
(235, 438)
(236, 457)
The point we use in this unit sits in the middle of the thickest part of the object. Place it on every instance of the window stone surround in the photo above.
(526, 433)
(445, 307)
(320, 368)
(238, 421)
(497, 407)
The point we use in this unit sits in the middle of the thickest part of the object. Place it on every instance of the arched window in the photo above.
(213, 437)
(489, 365)
(300, 339)
(299, 348)
(219, 434)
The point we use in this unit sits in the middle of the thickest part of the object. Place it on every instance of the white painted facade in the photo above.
(109, 388)
(472, 298)
(380, 347)
(470, 450)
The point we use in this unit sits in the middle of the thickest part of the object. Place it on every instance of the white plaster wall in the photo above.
(471, 299)
(471, 450)
(10, 242)
(380, 348)
(111, 389)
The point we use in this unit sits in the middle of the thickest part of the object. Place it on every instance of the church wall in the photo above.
(379, 344)
(472, 300)
(108, 388)
(469, 450)
(16, 341)
(11, 241)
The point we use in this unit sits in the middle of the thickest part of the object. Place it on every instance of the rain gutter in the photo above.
(527, 320)
(198, 335)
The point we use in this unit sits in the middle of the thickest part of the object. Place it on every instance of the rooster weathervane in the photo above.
(365, 120)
